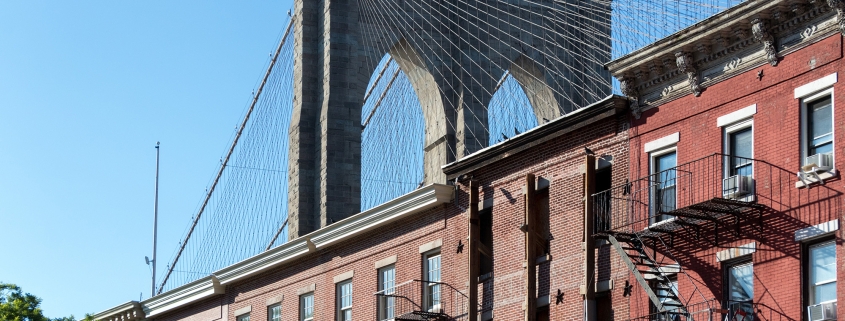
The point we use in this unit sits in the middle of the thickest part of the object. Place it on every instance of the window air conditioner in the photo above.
(818, 163)
(822, 312)
(736, 186)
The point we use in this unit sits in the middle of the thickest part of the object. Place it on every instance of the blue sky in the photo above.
(85, 92)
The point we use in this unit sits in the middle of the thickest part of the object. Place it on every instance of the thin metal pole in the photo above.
(155, 225)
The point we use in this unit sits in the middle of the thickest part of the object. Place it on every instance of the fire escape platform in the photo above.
(422, 316)
(716, 210)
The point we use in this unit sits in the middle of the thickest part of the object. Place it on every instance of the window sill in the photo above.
(811, 180)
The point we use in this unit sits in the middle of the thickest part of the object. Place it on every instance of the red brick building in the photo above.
(712, 191)
(411, 256)
(735, 124)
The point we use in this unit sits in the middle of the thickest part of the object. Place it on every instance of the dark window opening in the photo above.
(603, 183)
(485, 251)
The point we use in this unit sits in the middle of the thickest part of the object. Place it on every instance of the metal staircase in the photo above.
(660, 289)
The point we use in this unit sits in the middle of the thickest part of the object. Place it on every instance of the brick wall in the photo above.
(560, 161)
(776, 128)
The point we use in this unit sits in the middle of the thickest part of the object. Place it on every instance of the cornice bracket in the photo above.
(626, 85)
(760, 29)
(839, 6)
(686, 65)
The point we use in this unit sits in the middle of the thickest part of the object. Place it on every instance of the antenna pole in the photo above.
(155, 227)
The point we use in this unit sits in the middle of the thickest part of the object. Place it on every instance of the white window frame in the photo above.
(427, 292)
(652, 166)
(726, 142)
(270, 311)
(384, 312)
(302, 306)
(811, 286)
(805, 148)
(339, 298)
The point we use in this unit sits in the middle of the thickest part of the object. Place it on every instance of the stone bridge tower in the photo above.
(453, 52)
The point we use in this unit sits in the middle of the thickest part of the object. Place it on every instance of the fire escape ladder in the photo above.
(660, 289)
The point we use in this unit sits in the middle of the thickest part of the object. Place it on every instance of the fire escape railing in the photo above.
(421, 300)
(708, 189)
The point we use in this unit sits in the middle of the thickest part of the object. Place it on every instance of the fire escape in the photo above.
(420, 300)
(688, 201)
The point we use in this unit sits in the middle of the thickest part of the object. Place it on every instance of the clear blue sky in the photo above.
(86, 89)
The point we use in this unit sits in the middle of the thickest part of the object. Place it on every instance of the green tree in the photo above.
(15, 305)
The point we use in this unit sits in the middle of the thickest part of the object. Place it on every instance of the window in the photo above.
(344, 300)
(663, 181)
(604, 182)
(739, 291)
(386, 287)
(817, 126)
(485, 246)
(431, 280)
(820, 126)
(306, 307)
(739, 145)
(274, 312)
(663, 295)
(822, 273)
(243, 317)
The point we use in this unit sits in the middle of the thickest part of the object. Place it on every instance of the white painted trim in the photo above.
(242, 311)
(815, 231)
(306, 289)
(189, 293)
(128, 311)
(736, 116)
(385, 262)
(414, 202)
(662, 142)
(605, 285)
(816, 86)
(431, 245)
(343, 276)
(275, 299)
(735, 252)
(485, 204)
(421, 199)
(542, 301)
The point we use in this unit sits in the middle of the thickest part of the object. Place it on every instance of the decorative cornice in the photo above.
(414, 202)
(686, 65)
(839, 6)
(750, 34)
(760, 29)
(192, 292)
(125, 312)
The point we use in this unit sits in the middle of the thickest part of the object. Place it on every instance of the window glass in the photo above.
(386, 287)
(822, 273)
(243, 317)
(820, 126)
(306, 307)
(664, 180)
(432, 280)
(740, 290)
(740, 147)
(345, 301)
(274, 313)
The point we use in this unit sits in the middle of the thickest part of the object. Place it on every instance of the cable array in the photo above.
(470, 73)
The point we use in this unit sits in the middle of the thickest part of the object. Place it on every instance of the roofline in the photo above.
(609, 106)
(702, 29)
(419, 200)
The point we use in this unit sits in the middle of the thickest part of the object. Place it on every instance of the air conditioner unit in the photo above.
(822, 312)
(818, 163)
(736, 186)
